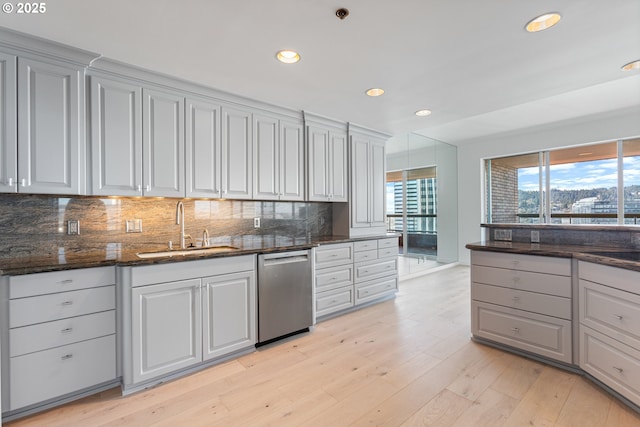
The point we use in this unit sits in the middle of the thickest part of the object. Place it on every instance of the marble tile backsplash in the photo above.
(603, 236)
(35, 225)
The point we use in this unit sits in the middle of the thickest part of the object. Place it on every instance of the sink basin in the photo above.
(183, 252)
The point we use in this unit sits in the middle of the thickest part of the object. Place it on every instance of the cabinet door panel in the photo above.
(50, 128)
(237, 162)
(377, 189)
(318, 180)
(338, 167)
(116, 138)
(8, 125)
(203, 150)
(360, 183)
(229, 313)
(266, 183)
(166, 328)
(292, 161)
(163, 147)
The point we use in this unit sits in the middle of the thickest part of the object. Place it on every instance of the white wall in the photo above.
(606, 127)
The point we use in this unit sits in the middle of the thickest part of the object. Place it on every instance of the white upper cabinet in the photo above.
(203, 149)
(278, 147)
(116, 137)
(137, 139)
(237, 161)
(327, 160)
(367, 180)
(163, 144)
(8, 124)
(51, 113)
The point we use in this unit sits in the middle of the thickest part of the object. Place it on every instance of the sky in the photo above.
(583, 175)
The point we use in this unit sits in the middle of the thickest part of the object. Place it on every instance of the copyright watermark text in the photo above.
(24, 8)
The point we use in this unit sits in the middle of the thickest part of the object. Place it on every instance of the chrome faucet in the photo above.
(205, 238)
(180, 221)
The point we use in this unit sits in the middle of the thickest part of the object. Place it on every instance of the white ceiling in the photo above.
(469, 61)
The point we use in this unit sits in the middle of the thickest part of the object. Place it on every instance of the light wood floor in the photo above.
(406, 362)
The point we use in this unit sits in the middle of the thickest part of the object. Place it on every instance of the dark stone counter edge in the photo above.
(584, 253)
(27, 265)
(570, 227)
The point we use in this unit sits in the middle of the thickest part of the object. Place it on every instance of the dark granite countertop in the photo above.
(246, 245)
(612, 256)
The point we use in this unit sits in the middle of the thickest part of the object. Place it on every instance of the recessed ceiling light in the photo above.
(375, 91)
(288, 56)
(634, 65)
(423, 113)
(543, 22)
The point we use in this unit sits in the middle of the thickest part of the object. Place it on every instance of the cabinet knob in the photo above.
(67, 356)
(10, 182)
(66, 282)
(516, 299)
(617, 316)
(66, 330)
(515, 330)
(147, 188)
(67, 303)
(139, 188)
(620, 370)
(23, 182)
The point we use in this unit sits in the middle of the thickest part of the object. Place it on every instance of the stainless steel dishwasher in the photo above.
(285, 294)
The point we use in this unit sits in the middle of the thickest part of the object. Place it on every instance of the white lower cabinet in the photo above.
(229, 314)
(351, 274)
(523, 301)
(166, 328)
(609, 306)
(183, 314)
(61, 335)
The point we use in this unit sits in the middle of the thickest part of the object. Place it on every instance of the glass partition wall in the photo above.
(422, 201)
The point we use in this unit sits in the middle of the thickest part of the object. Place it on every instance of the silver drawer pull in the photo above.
(516, 299)
(620, 370)
(334, 278)
(67, 357)
(515, 330)
(334, 255)
(617, 316)
(66, 281)
(333, 301)
(66, 330)
(67, 303)
(365, 271)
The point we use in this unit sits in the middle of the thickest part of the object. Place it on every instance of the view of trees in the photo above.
(529, 201)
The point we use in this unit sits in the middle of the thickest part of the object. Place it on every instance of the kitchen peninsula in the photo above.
(570, 303)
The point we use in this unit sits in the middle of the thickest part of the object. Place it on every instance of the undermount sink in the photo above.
(183, 252)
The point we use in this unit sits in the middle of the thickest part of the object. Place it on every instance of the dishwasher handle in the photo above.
(285, 258)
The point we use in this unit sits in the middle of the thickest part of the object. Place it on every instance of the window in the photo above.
(589, 184)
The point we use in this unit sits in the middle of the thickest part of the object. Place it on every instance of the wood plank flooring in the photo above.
(405, 362)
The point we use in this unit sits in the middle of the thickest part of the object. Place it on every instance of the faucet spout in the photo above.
(205, 238)
(180, 222)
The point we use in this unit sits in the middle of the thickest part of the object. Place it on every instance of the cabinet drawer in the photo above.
(365, 256)
(29, 339)
(373, 269)
(369, 291)
(610, 311)
(536, 333)
(44, 308)
(388, 252)
(620, 278)
(335, 277)
(550, 265)
(389, 243)
(47, 374)
(365, 245)
(332, 255)
(335, 300)
(60, 281)
(613, 363)
(523, 300)
(523, 280)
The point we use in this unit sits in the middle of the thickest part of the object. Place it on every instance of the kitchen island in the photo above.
(573, 306)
